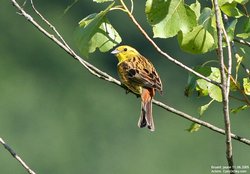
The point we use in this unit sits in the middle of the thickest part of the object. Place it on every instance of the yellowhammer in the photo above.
(139, 75)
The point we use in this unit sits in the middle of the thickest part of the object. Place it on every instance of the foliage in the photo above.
(95, 31)
(195, 29)
(162, 14)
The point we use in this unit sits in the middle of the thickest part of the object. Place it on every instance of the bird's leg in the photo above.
(138, 95)
(126, 89)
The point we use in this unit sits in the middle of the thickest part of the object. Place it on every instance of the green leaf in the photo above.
(231, 28)
(222, 2)
(246, 86)
(241, 108)
(192, 81)
(243, 35)
(156, 11)
(215, 92)
(239, 59)
(243, 50)
(205, 88)
(191, 84)
(247, 25)
(241, 1)
(230, 9)
(215, 74)
(197, 41)
(234, 86)
(205, 17)
(203, 108)
(194, 127)
(204, 70)
(101, 1)
(202, 87)
(162, 14)
(105, 38)
(207, 20)
(95, 31)
(196, 7)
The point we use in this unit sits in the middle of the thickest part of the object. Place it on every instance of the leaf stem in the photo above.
(210, 61)
(118, 7)
(132, 6)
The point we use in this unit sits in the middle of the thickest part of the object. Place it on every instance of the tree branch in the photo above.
(226, 105)
(203, 123)
(225, 81)
(19, 159)
(102, 75)
(164, 54)
(241, 41)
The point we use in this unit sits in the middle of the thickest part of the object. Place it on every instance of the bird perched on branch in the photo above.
(139, 75)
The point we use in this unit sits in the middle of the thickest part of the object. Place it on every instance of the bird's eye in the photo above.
(125, 49)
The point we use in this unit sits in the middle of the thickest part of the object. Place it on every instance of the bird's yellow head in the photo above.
(125, 52)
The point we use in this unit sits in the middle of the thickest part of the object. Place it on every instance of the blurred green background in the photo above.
(61, 119)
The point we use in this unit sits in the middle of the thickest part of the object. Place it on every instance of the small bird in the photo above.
(139, 75)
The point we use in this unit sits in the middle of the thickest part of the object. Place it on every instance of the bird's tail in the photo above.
(146, 118)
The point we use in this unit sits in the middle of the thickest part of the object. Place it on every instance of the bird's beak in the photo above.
(115, 51)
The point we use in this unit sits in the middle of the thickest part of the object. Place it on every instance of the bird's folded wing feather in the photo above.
(142, 72)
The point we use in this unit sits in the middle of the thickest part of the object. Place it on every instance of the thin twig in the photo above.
(240, 90)
(49, 24)
(164, 54)
(234, 47)
(18, 158)
(246, 100)
(196, 120)
(246, 69)
(239, 99)
(241, 41)
(245, 9)
(106, 77)
(92, 69)
(226, 107)
(225, 80)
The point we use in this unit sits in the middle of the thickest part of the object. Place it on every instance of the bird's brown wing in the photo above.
(142, 72)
